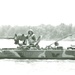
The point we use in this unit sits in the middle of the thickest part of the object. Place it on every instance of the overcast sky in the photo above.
(36, 12)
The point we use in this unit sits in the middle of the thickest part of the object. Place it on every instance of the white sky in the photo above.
(36, 12)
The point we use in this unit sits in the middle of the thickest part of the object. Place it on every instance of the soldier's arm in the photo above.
(33, 37)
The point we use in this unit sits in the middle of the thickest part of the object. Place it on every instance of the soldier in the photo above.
(31, 37)
(32, 41)
(56, 44)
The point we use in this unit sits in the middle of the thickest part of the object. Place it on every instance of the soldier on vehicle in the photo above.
(32, 41)
(31, 37)
(56, 44)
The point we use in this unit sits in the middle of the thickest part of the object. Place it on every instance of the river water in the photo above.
(4, 43)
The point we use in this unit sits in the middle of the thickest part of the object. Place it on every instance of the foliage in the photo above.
(48, 32)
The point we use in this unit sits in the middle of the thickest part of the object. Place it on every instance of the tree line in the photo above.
(48, 32)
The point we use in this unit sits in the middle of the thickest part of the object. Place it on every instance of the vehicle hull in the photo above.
(37, 54)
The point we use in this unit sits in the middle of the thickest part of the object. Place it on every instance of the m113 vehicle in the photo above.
(24, 51)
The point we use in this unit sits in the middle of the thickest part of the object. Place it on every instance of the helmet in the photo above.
(15, 34)
(30, 30)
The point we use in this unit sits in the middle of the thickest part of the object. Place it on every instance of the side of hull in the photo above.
(37, 54)
(47, 54)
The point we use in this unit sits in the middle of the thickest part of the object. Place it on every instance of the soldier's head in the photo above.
(15, 34)
(30, 32)
(56, 43)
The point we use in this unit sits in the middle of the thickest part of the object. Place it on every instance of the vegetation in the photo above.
(48, 32)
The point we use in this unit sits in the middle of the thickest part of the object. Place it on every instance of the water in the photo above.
(5, 43)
